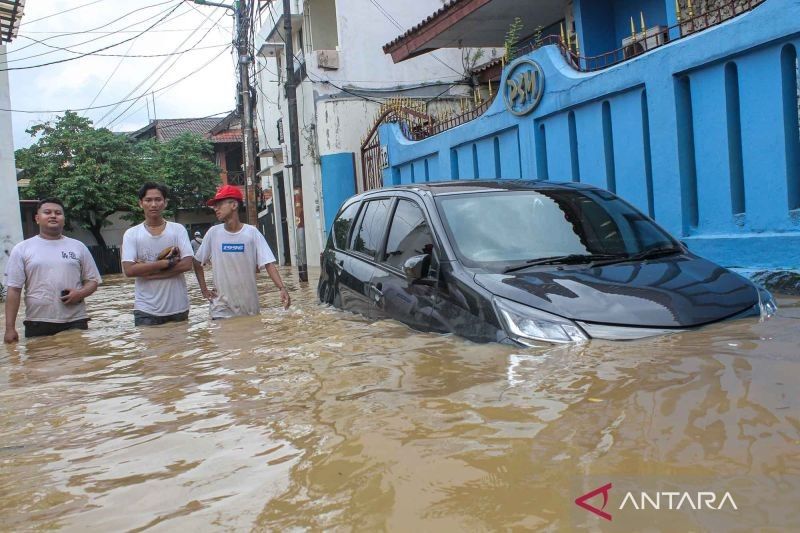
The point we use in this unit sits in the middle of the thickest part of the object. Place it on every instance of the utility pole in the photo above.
(242, 21)
(294, 144)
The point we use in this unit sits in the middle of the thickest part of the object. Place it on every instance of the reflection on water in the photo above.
(313, 418)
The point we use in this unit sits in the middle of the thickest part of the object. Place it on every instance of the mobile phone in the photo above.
(65, 292)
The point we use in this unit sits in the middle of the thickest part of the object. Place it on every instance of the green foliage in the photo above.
(94, 172)
(97, 173)
(512, 38)
(182, 164)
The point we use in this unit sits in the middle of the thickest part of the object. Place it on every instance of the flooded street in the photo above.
(314, 418)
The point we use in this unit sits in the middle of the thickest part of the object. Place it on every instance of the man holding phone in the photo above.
(57, 273)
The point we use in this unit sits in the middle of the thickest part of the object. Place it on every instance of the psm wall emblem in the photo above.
(524, 86)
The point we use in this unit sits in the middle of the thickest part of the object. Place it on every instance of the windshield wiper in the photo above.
(652, 253)
(571, 259)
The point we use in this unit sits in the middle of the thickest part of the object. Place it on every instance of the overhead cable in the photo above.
(94, 51)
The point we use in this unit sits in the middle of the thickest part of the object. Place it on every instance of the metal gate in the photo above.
(371, 167)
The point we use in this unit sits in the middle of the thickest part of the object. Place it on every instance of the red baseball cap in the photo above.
(225, 192)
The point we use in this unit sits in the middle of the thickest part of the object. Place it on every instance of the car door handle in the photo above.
(377, 293)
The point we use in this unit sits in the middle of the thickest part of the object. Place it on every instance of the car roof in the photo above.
(441, 188)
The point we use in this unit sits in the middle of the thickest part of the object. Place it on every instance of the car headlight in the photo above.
(527, 324)
(766, 304)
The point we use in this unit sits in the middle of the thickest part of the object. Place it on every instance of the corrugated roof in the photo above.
(168, 129)
(430, 18)
(10, 14)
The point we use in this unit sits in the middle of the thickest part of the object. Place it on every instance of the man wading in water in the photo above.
(236, 252)
(57, 273)
(157, 253)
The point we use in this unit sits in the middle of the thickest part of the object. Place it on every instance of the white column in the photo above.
(10, 220)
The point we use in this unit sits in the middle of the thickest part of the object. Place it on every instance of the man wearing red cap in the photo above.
(236, 251)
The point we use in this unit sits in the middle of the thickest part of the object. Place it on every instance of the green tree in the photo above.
(184, 164)
(94, 172)
(97, 173)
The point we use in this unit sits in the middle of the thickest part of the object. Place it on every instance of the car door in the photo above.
(409, 235)
(357, 264)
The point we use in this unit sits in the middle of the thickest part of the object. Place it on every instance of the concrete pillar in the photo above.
(10, 219)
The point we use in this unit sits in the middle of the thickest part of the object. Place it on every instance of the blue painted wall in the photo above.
(338, 183)
(702, 134)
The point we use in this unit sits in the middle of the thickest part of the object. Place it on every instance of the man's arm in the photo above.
(272, 270)
(13, 297)
(133, 270)
(184, 265)
(208, 294)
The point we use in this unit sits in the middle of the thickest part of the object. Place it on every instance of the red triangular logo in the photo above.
(581, 501)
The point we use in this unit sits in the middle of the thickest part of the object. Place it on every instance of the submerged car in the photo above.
(523, 262)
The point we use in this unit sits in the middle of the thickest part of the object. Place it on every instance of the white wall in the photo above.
(331, 120)
(10, 221)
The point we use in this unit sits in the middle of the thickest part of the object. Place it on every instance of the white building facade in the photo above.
(343, 77)
(10, 221)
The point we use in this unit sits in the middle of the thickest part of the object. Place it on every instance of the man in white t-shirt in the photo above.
(236, 252)
(57, 272)
(157, 253)
(197, 241)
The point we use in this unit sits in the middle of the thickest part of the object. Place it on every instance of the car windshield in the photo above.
(508, 228)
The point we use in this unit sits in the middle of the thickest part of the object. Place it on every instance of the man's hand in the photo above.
(73, 296)
(11, 336)
(209, 294)
(286, 300)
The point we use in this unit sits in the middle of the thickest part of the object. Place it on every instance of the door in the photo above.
(409, 235)
(283, 222)
(357, 264)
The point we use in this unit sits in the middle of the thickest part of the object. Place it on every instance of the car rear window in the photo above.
(370, 227)
(342, 224)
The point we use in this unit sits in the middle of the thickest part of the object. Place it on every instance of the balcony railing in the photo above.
(235, 178)
(648, 40)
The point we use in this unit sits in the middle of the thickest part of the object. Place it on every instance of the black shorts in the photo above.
(140, 318)
(35, 328)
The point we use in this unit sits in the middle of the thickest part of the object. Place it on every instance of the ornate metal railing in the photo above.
(689, 23)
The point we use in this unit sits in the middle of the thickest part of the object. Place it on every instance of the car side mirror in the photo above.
(416, 268)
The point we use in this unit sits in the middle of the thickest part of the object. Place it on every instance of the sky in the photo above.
(96, 80)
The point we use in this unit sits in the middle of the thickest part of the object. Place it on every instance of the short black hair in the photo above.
(50, 200)
(153, 185)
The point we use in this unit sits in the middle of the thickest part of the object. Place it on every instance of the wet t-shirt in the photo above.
(235, 259)
(45, 267)
(160, 297)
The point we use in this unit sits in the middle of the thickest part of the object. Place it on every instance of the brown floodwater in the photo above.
(314, 418)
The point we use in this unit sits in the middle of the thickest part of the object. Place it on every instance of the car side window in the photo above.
(342, 224)
(409, 235)
(372, 223)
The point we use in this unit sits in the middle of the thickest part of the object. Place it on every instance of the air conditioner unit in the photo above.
(636, 45)
(327, 59)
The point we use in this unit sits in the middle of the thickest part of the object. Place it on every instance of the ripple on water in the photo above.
(319, 419)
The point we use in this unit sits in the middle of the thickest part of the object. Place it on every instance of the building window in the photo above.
(324, 34)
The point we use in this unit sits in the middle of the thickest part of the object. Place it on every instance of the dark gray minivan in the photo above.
(523, 262)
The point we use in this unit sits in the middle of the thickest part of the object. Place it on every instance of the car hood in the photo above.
(676, 291)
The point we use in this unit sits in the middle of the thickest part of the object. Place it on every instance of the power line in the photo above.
(94, 51)
(60, 12)
(164, 88)
(111, 75)
(391, 19)
(141, 55)
(162, 74)
(105, 25)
